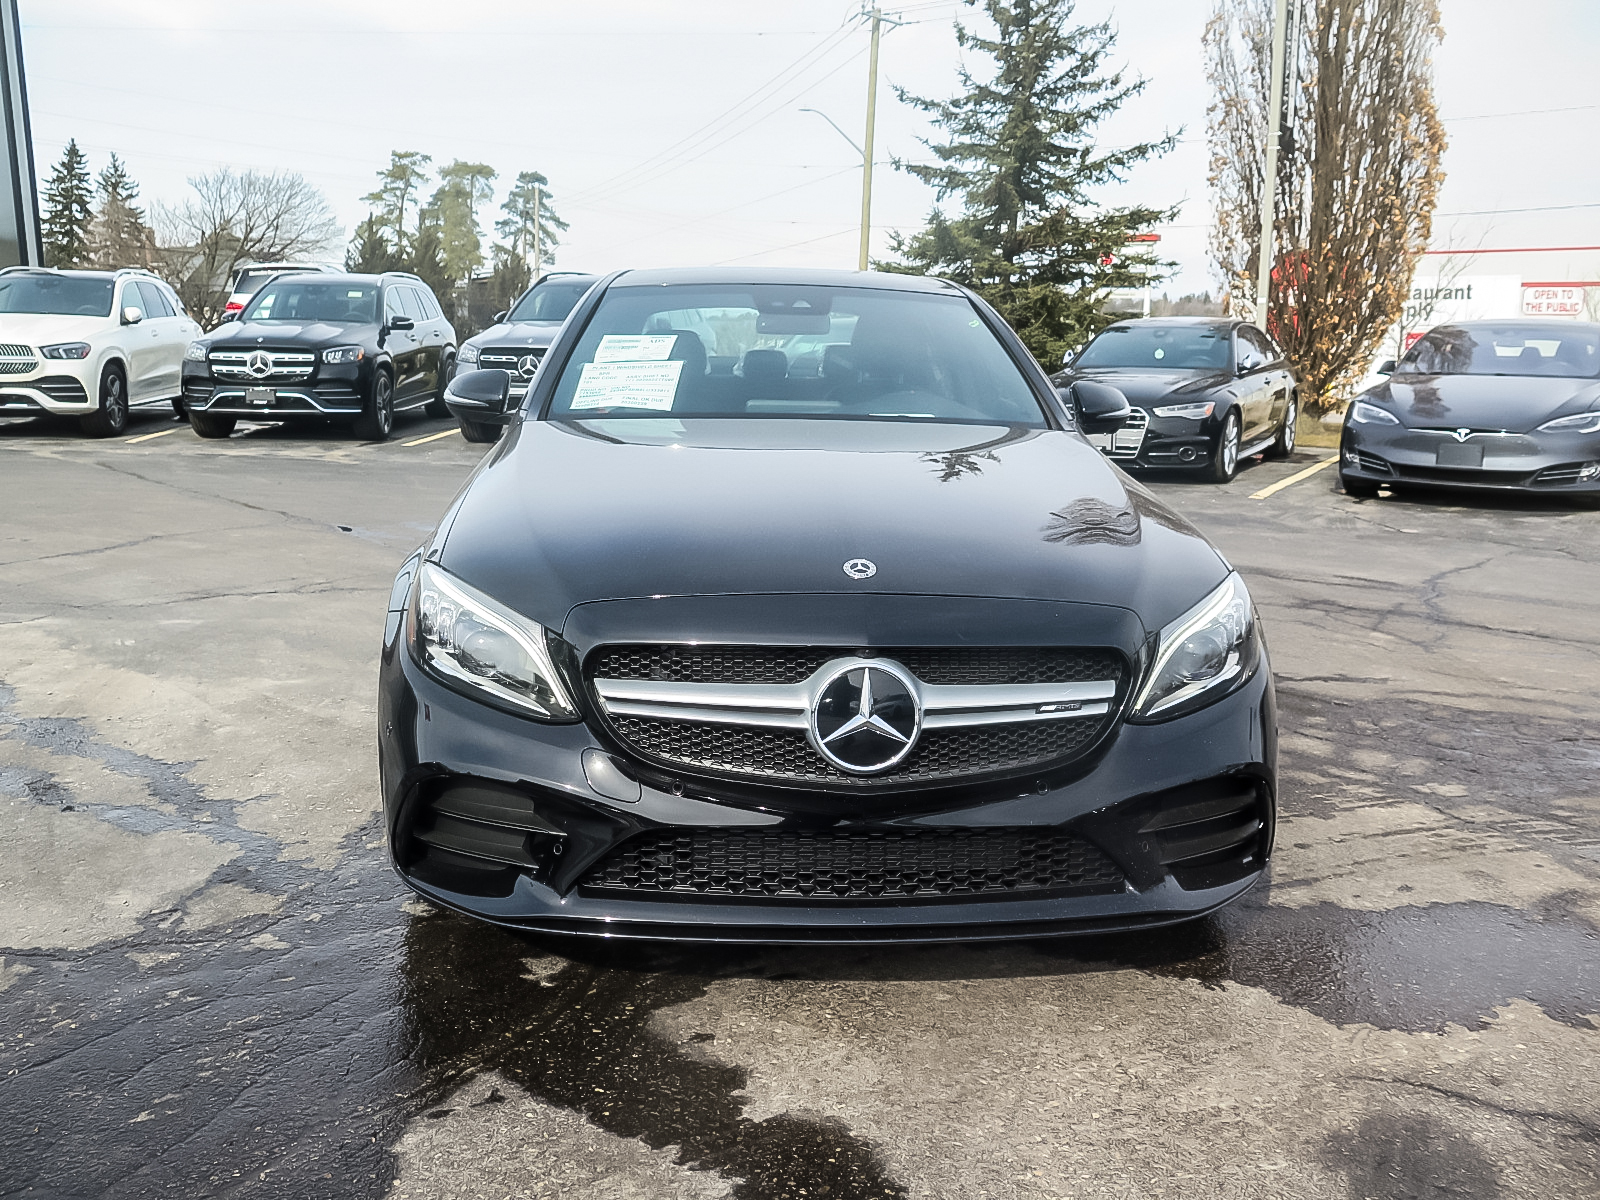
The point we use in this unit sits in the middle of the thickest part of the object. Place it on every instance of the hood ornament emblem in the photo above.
(527, 365)
(259, 364)
(866, 717)
(861, 568)
(1463, 434)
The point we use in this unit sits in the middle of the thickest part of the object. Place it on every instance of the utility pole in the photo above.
(1276, 102)
(866, 153)
(538, 250)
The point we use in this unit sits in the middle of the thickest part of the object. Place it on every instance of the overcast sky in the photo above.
(674, 134)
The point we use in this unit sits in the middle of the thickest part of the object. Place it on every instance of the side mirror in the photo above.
(229, 316)
(1100, 407)
(1066, 359)
(132, 315)
(480, 396)
(501, 315)
(399, 322)
(1386, 367)
(1251, 362)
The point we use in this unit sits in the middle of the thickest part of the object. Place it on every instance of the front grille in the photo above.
(16, 359)
(1127, 440)
(792, 664)
(835, 865)
(63, 389)
(785, 756)
(261, 366)
(509, 358)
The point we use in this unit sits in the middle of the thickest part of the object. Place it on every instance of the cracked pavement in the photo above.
(211, 984)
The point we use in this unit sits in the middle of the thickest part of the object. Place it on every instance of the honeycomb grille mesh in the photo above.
(856, 865)
(792, 664)
(784, 756)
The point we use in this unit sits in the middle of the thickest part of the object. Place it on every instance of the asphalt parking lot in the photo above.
(212, 985)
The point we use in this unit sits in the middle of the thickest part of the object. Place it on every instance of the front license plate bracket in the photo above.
(1453, 455)
(257, 397)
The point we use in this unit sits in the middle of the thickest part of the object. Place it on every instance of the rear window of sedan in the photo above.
(777, 350)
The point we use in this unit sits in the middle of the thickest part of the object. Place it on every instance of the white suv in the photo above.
(90, 344)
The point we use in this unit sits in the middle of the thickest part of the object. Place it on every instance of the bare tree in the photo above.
(1358, 178)
(235, 217)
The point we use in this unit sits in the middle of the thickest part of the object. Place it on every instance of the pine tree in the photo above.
(527, 207)
(399, 191)
(68, 210)
(426, 260)
(463, 188)
(370, 252)
(118, 235)
(1021, 158)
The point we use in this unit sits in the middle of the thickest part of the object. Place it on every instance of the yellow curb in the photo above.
(1293, 479)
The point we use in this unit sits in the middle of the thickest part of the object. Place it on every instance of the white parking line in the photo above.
(145, 437)
(432, 437)
(1293, 479)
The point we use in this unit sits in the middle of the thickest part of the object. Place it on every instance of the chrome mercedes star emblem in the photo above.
(866, 716)
(259, 364)
(527, 364)
(861, 568)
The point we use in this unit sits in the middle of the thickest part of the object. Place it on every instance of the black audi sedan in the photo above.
(519, 337)
(1206, 392)
(883, 651)
(353, 348)
(1500, 405)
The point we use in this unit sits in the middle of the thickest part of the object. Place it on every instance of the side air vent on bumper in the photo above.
(477, 838)
(1211, 834)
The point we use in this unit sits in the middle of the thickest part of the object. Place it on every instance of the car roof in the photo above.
(753, 276)
(355, 277)
(1216, 321)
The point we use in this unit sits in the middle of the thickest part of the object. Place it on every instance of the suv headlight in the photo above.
(196, 352)
(66, 350)
(1203, 655)
(343, 354)
(1588, 422)
(477, 646)
(1189, 412)
(1363, 413)
(467, 354)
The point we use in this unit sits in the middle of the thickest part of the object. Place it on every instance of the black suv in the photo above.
(517, 340)
(352, 347)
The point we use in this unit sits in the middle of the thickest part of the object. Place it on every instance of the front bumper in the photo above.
(1130, 804)
(1566, 464)
(1165, 442)
(330, 391)
(41, 392)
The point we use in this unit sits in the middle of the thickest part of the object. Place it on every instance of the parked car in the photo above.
(517, 340)
(90, 344)
(357, 348)
(1206, 392)
(886, 651)
(249, 278)
(1509, 405)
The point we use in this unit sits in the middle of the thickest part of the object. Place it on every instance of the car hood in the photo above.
(562, 514)
(1515, 402)
(1146, 388)
(312, 334)
(44, 329)
(517, 333)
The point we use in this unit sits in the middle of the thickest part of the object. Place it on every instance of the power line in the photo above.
(1527, 112)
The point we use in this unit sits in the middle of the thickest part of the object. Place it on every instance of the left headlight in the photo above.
(196, 352)
(1588, 422)
(1189, 412)
(1203, 655)
(1363, 413)
(343, 354)
(66, 350)
(476, 645)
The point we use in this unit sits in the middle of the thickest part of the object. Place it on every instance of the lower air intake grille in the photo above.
(784, 756)
(852, 865)
(63, 389)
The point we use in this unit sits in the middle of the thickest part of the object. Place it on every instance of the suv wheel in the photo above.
(437, 407)
(1224, 464)
(111, 418)
(479, 431)
(376, 421)
(212, 427)
(1283, 445)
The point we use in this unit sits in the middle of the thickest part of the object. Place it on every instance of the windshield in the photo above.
(75, 295)
(792, 351)
(549, 301)
(1158, 348)
(304, 301)
(1565, 349)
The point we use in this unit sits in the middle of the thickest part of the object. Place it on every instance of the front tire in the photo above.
(479, 431)
(376, 421)
(111, 418)
(212, 427)
(1224, 464)
(1358, 489)
(1283, 445)
(437, 407)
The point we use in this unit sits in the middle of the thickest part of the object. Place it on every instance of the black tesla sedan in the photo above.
(1206, 392)
(1504, 405)
(885, 650)
(353, 348)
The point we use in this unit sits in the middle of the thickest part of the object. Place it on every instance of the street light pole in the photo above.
(1269, 176)
(866, 153)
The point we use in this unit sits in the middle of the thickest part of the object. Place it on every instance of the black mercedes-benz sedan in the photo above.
(352, 348)
(1206, 392)
(1502, 405)
(882, 651)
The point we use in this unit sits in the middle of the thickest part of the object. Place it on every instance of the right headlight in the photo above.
(196, 352)
(1363, 413)
(1587, 422)
(467, 354)
(1203, 655)
(480, 647)
(1189, 412)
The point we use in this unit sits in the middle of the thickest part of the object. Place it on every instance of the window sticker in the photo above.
(621, 347)
(627, 385)
(355, 295)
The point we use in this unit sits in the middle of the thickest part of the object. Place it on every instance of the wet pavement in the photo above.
(211, 984)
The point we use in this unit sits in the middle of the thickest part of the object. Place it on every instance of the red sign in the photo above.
(1144, 237)
(1412, 339)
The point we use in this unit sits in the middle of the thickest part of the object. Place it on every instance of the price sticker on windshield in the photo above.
(650, 347)
(651, 385)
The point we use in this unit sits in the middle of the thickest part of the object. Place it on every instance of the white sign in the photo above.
(1441, 299)
(619, 347)
(627, 385)
(1552, 301)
